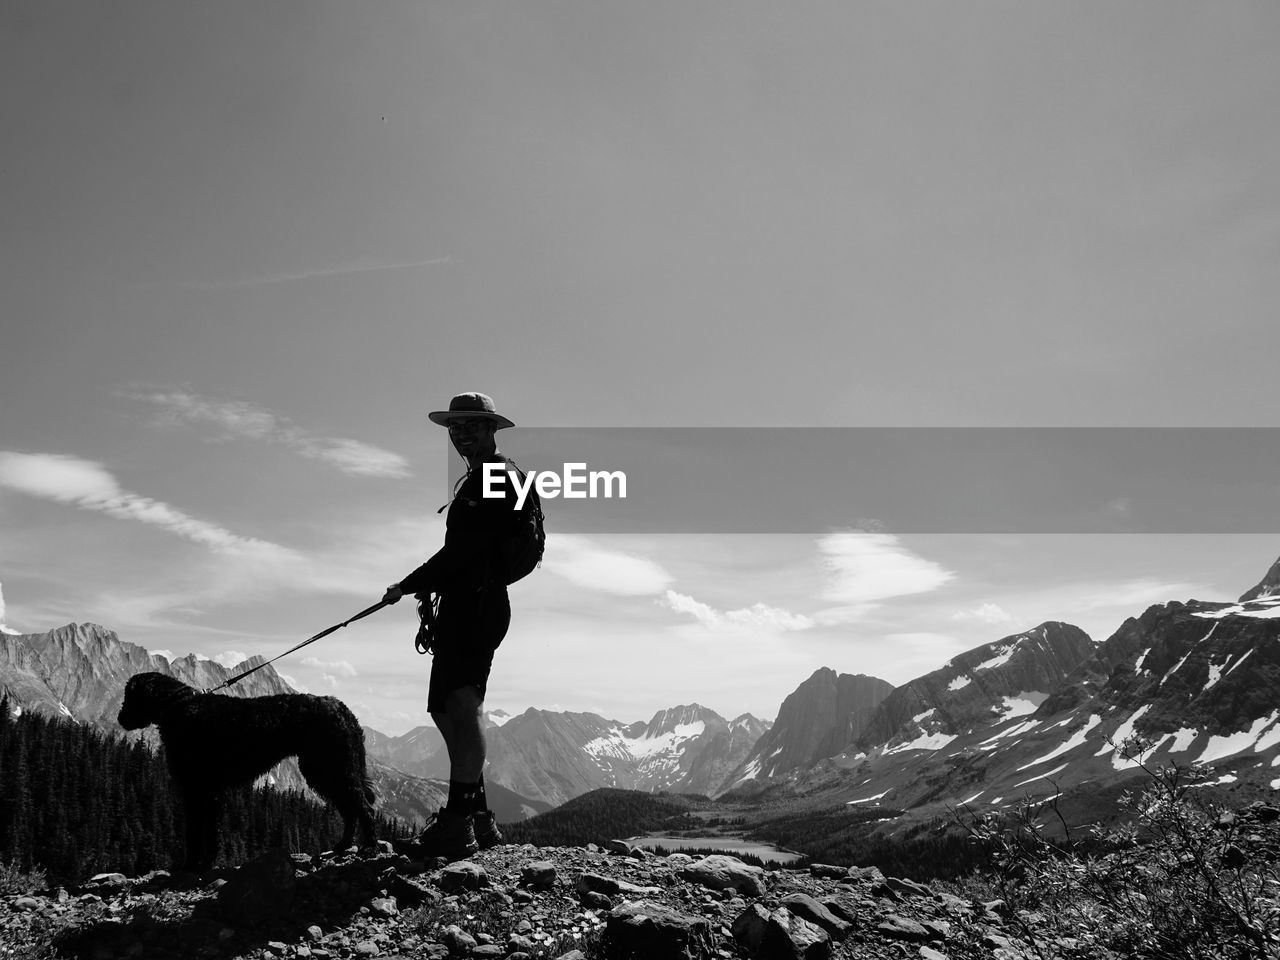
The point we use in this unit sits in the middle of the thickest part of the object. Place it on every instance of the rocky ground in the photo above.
(512, 902)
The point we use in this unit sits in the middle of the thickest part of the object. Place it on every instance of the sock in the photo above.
(480, 804)
(462, 797)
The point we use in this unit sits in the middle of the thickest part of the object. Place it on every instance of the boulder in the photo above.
(645, 930)
(780, 935)
(540, 875)
(463, 875)
(805, 906)
(595, 883)
(720, 872)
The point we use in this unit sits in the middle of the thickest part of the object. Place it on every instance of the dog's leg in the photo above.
(347, 789)
(202, 805)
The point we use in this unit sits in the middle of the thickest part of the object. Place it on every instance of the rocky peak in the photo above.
(1268, 586)
(1012, 675)
(816, 720)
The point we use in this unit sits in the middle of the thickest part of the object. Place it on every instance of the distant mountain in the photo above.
(79, 672)
(819, 719)
(1046, 713)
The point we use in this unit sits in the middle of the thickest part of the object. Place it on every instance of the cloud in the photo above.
(230, 658)
(236, 418)
(984, 613)
(1141, 591)
(339, 666)
(3, 627)
(88, 485)
(758, 615)
(863, 569)
(167, 654)
(607, 571)
(293, 683)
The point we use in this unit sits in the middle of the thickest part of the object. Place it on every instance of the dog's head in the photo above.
(148, 697)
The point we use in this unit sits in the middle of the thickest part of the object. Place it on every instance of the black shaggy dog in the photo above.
(212, 742)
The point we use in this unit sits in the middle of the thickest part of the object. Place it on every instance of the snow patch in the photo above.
(1183, 739)
(1215, 674)
(1003, 656)
(1224, 746)
(923, 716)
(1240, 661)
(866, 799)
(1123, 733)
(1024, 703)
(959, 683)
(926, 741)
(973, 798)
(1263, 611)
(1077, 739)
(1137, 667)
(1042, 775)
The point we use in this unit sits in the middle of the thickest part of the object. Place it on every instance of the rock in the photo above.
(650, 931)
(260, 890)
(779, 935)
(928, 953)
(748, 927)
(909, 887)
(366, 948)
(107, 880)
(679, 859)
(314, 933)
(303, 861)
(901, 928)
(595, 883)
(620, 847)
(463, 875)
(572, 955)
(803, 905)
(866, 874)
(828, 871)
(458, 940)
(846, 908)
(410, 892)
(595, 901)
(541, 875)
(26, 904)
(721, 872)
(489, 950)
(384, 907)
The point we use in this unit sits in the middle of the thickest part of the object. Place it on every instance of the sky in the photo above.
(245, 249)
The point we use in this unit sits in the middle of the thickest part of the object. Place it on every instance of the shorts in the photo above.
(469, 627)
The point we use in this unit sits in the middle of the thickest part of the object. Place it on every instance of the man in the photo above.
(473, 617)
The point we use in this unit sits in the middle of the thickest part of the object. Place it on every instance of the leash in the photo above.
(323, 633)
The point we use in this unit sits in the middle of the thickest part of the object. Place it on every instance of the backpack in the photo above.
(521, 551)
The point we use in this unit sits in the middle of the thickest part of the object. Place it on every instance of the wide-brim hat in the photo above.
(470, 405)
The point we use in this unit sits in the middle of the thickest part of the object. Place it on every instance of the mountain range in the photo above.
(1044, 711)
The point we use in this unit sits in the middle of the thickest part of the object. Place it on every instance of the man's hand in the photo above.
(393, 594)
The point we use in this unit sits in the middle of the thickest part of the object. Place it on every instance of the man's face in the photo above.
(472, 435)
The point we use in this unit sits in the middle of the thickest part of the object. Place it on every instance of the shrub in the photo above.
(1181, 878)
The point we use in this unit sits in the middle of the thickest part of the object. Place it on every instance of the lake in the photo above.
(732, 845)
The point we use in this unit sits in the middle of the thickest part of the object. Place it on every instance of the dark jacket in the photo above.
(474, 527)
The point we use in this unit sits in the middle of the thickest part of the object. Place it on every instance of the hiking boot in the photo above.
(486, 829)
(447, 835)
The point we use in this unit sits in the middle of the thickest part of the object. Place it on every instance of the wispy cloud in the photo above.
(357, 266)
(608, 571)
(230, 658)
(3, 627)
(342, 667)
(758, 615)
(863, 569)
(985, 613)
(237, 418)
(89, 486)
